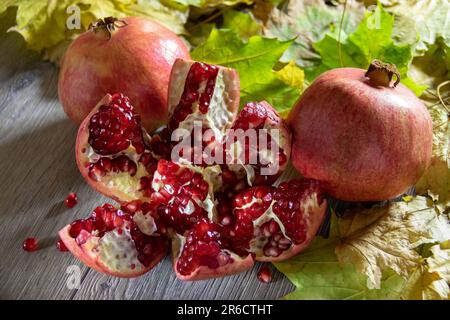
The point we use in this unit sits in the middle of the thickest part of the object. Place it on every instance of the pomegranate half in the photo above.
(364, 138)
(133, 56)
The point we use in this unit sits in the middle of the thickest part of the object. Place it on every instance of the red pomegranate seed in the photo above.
(71, 200)
(264, 274)
(61, 246)
(31, 244)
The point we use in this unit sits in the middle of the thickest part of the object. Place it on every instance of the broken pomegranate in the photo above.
(123, 242)
(132, 55)
(114, 152)
(217, 223)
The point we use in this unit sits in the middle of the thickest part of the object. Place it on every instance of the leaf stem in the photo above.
(341, 23)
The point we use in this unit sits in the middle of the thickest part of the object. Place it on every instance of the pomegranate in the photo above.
(123, 242)
(114, 152)
(364, 138)
(133, 56)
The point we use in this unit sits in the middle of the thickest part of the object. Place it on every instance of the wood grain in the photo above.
(38, 170)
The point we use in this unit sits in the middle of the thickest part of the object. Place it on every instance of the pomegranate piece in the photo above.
(113, 151)
(275, 223)
(71, 200)
(373, 149)
(218, 225)
(136, 59)
(31, 244)
(258, 146)
(204, 252)
(264, 274)
(205, 93)
(123, 242)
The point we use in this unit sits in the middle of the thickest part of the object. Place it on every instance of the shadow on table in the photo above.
(40, 164)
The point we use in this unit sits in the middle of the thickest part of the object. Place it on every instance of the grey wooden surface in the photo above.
(37, 171)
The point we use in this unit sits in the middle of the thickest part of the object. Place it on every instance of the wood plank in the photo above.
(38, 170)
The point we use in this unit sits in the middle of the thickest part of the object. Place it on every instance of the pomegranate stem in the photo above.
(380, 73)
(108, 25)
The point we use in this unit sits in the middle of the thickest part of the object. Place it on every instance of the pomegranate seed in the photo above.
(61, 246)
(30, 244)
(264, 274)
(71, 200)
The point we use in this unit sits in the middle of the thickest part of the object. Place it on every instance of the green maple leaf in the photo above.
(254, 60)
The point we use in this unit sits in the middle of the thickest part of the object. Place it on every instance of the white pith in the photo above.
(237, 166)
(307, 206)
(145, 223)
(121, 181)
(217, 117)
(257, 243)
(118, 252)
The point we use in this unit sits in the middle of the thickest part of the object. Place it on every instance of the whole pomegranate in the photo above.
(133, 56)
(220, 217)
(364, 138)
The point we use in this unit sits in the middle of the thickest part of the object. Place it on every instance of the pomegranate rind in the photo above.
(231, 90)
(202, 273)
(89, 255)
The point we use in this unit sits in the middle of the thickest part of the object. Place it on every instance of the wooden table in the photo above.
(37, 171)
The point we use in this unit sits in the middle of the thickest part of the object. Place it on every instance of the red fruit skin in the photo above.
(364, 143)
(203, 273)
(94, 65)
